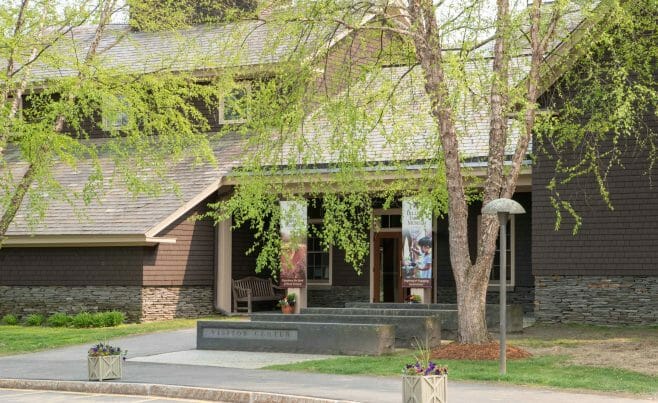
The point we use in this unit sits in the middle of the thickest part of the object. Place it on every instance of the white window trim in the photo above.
(495, 284)
(115, 124)
(318, 283)
(220, 110)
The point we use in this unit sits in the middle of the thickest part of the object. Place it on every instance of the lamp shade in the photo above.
(503, 206)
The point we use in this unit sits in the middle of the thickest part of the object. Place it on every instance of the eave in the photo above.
(90, 240)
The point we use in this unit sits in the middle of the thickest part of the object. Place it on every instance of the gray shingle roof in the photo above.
(405, 130)
(195, 48)
(118, 211)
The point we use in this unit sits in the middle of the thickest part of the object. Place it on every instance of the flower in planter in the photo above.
(289, 299)
(423, 365)
(424, 370)
(414, 298)
(104, 349)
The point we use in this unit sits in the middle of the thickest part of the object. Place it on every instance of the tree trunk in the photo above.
(471, 306)
(16, 201)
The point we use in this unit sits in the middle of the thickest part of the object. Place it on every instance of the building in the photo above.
(149, 257)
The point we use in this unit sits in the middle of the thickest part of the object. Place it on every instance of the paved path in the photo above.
(70, 364)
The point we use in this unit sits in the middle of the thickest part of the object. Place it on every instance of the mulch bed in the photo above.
(487, 351)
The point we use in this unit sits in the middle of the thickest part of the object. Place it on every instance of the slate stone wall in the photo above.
(599, 300)
(337, 296)
(525, 296)
(138, 303)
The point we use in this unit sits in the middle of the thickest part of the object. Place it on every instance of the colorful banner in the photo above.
(294, 229)
(416, 246)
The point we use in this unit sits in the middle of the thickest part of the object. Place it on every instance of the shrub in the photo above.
(10, 319)
(59, 319)
(83, 319)
(98, 319)
(113, 318)
(34, 319)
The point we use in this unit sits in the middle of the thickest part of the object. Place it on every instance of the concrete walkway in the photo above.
(170, 359)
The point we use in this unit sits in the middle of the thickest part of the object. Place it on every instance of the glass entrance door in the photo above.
(387, 276)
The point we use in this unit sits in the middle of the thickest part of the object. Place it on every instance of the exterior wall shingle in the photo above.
(188, 262)
(120, 266)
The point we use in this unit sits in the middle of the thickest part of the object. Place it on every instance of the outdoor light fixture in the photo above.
(503, 208)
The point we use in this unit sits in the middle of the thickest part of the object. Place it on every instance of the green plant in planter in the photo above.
(414, 299)
(289, 299)
(104, 349)
(423, 365)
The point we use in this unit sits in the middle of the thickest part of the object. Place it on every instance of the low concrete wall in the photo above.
(316, 338)
(408, 329)
(599, 300)
(138, 303)
(447, 312)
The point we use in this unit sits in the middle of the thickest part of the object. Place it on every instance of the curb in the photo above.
(166, 391)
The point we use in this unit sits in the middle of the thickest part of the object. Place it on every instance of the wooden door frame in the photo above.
(376, 265)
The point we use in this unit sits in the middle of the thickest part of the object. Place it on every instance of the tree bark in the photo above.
(471, 285)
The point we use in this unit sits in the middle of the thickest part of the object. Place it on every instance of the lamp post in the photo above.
(503, 208)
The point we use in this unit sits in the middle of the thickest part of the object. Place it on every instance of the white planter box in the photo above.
(425, 389)
(105, 367)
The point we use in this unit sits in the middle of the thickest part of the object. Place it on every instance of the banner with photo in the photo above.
(416, 246)
(294, 228)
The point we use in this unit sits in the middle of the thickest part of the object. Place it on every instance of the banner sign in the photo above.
(294, 229)
(416, 247)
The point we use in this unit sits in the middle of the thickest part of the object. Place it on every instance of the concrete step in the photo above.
(514, 313)
(448, 318)
(398, 305)
(408, 329)
(315, 338)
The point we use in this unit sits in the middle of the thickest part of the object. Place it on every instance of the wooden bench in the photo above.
(251, 289)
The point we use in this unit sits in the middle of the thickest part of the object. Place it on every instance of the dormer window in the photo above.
(232, 108)
(114, 113)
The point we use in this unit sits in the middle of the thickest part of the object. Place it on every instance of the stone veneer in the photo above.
(600, 300)
(337, 296)
(160, 303)
(138, 303)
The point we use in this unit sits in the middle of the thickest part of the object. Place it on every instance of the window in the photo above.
(318, 259)
(232, 108)
(494, 279)
(114, 112)
(387, 220)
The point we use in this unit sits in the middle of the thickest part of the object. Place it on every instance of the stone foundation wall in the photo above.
(525, 296)
(138, 303)
(160, 303)
(599, 300)
(337, 296)
(46, 300)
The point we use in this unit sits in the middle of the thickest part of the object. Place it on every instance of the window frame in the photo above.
(495, 284)
(118, 122)
(221, 117)
(314, 282)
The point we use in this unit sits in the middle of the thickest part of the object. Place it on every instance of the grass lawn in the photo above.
(21, 339)
(552, 371)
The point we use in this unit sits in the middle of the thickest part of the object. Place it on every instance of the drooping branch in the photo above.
(37, 163)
